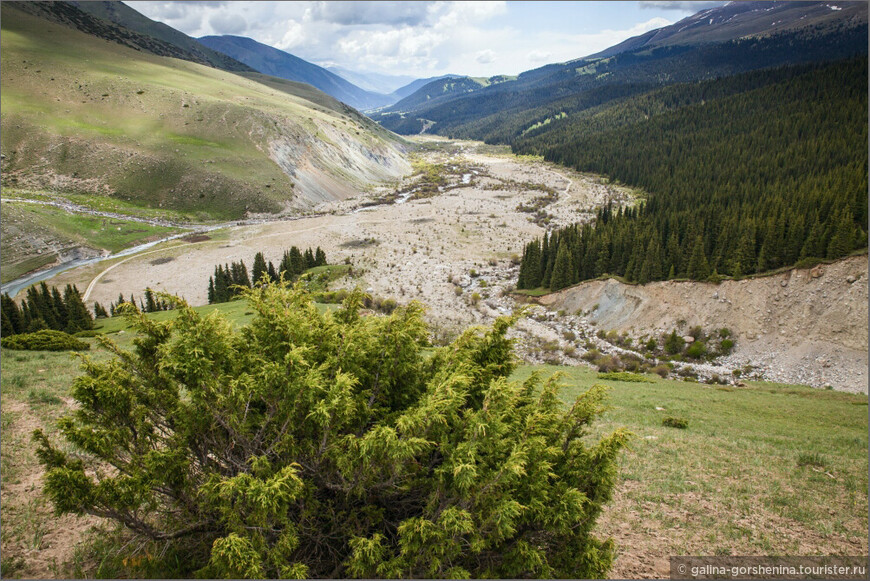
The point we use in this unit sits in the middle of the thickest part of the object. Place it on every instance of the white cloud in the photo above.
(685, 6)
(416, 38)
(537, 56)
(360, 13)
(225, 23)
(485, 57)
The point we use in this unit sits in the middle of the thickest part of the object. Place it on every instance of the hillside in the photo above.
(743, 20)
(745, 174)
(500, 112)
(128, 18)
(117, 22)
(806, 326)
(83, 115)
(278, 63)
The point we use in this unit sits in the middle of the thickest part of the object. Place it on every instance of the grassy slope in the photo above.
(733, 483)
(64, 229)
(730, 483)
(156, 131)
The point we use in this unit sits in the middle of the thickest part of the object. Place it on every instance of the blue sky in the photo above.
(424, 39)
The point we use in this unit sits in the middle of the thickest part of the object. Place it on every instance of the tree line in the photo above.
(229, 280)
(45, 308)
(739, 184)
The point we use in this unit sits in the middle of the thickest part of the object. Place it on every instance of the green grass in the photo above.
(748, 452)
(63, 229)
(14, 270)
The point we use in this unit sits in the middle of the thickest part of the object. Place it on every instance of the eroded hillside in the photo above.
(80, 114)
(806, 326)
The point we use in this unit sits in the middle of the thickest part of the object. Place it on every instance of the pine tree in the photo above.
(259, 268)
(699, 268)
(319, 257)
(13, 314)
(150, 303)
(297, 262)
(309, 259)
(562, 269)
(79, 317)
(211, 294)
(100, 311)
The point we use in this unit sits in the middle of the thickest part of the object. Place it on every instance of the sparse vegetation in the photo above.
(679, 423)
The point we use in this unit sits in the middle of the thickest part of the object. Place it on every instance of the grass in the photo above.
(741, 476)
(13, 271)
(22, 223)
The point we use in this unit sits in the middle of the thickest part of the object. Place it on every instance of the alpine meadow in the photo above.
(565, 290)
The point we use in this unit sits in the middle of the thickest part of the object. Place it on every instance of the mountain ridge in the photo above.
(278, 63)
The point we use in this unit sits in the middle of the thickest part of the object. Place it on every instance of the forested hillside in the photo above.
(745, 174)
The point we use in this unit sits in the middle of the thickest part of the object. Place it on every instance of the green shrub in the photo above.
(674, 343)
(335, 445)
(679, 423)
(726, 346)
(44, 340)
(625, 376)
(87, 333)
(661, 370)
(696, 350)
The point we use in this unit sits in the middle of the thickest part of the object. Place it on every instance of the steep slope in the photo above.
(81, 114)
(806, 326)
(117, 22)
(278, 63)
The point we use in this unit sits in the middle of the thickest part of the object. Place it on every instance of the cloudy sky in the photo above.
(424, 39)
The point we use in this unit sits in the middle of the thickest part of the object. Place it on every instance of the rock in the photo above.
(784, 283)
(817, 272)
(850, 279)
(688, 339)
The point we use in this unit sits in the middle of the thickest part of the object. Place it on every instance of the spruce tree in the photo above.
(319, 257)
(562, 269)
(12, 313)
(309, 259)
(259, 268)
(150, 303)
(698, 268)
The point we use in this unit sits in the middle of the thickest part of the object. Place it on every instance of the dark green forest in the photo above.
(745, 174)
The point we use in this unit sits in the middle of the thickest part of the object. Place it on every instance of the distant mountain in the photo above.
(120, 13)
(743, 20)
(271, 61)
(414, 86)
(374, 82)
(501, 110)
